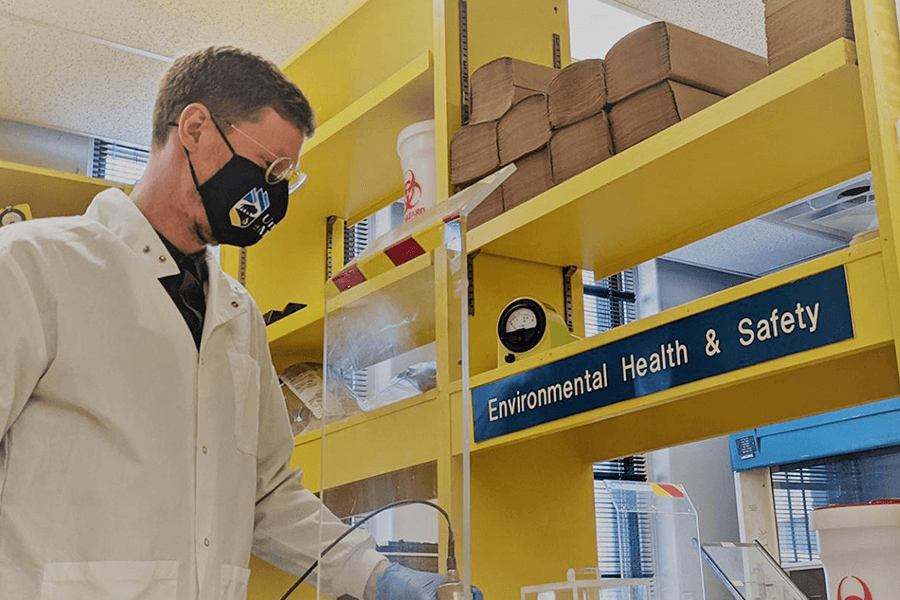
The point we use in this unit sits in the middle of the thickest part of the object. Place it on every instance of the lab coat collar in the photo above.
(114, 210)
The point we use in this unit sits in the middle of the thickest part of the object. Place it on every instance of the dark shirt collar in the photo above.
(195, 263)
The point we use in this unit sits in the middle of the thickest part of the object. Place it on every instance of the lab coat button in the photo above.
(146, 249)
(206, 542)
(235, 304)
(205, 450)
(162, 258)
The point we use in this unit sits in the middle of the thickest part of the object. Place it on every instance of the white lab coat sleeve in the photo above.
(288, 515)
(26, 340)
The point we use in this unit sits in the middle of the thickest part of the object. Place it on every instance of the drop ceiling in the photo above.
(94, 67)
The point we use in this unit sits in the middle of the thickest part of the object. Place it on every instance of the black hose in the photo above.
(451, 543)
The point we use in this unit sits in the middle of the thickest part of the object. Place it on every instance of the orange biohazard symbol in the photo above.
(866, 592)
(409, 191)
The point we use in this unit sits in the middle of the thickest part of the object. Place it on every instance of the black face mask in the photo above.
(242, 207)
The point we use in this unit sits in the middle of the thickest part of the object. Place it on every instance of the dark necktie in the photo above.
(186, 288)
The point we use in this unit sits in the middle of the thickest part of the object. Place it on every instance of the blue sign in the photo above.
(801, 315)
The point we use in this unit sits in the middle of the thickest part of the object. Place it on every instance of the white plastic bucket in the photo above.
(860, 546)
(415, 145)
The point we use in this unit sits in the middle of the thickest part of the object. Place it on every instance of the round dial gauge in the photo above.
(522, 325)
(11, 215)
(521, 318)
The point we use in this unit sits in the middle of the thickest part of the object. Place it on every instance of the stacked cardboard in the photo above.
(501, 83)
(578, 92)
(650, 111)
(473, 153)
(524, 128)
(490, 207)
(794, 28)
(578, 99)
(661, 74)
(579, 147)
(509, 122)
(555, 124)
(533, 176)
(661, 51)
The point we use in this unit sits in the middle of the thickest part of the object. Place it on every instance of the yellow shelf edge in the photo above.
(416, 68)
(866, 339)
(364, 418)
(44, 172)
(301, 319)
(407, 269)
(831, 59)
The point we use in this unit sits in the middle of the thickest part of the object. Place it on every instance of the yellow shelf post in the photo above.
(878, 45)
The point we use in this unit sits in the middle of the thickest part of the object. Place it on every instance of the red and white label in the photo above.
(412, 193)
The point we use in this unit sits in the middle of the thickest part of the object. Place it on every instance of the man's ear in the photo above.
(194, 126)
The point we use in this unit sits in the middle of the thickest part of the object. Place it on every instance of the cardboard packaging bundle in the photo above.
(509, 119)
(578, 92)
(533, 176)
(660, 74)
(662, 51)
(648, 112)
(795, 28)
(473, 153)
(524, 128)
(555, 124)
(490, 207)
(501, 83)
(579, 147)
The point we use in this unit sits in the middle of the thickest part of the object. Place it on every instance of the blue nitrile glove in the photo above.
(400, 583)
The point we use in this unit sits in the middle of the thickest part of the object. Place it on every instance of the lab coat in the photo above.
(133, 466)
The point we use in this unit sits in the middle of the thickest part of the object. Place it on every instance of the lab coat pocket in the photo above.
(245, 372)
(234, 583)
(110, 580)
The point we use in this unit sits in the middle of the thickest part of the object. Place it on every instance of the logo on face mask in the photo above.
(249, 208)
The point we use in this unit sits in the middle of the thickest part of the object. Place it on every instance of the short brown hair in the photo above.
(235, 85)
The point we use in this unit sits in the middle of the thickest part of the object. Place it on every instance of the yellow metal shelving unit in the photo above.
(49, 193)
(824, 119)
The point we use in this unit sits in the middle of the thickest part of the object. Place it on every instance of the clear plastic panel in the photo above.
(748, 572)
(663, 516)
(395, 340)
(586, 584)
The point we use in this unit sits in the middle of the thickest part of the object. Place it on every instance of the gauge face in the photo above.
(521, 318)
(522, 325)
(11, 215)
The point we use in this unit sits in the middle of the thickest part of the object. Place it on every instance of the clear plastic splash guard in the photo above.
(396, 345)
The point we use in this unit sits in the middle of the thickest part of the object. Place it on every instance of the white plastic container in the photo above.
(860, 546)
(415, 145)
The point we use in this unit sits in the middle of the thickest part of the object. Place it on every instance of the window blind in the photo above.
(624, 546)
(800, 490)
(609, 302)
(118, 162)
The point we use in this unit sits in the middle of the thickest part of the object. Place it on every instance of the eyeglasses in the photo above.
(280, 169)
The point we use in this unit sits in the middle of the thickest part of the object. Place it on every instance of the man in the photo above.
(145, 441)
